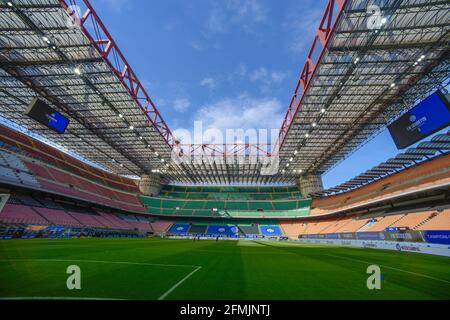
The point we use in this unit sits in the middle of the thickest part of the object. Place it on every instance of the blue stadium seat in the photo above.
(222, 230)
(179, 228)
(274, 231)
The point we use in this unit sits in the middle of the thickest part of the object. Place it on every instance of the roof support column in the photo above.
(309, 184)
(150, 185)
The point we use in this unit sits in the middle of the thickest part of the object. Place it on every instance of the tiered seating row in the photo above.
(425, 175)
(228, 230)
(14, 213)
(58, 181)
(230, 195)
(203, 189)
(233, 208)
(58, 217)
(426, 220)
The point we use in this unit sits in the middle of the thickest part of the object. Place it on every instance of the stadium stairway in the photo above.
(433, 215)
(367, 226)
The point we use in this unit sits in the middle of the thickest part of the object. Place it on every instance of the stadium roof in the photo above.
(356, 79)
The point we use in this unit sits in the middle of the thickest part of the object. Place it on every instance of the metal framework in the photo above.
(360, 76)
(356, 79)
(77, 67)
(438, 146)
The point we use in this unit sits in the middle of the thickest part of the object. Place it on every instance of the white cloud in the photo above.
(181, 104)
(249, 10)
(242, 70)
(196, 46)
(242, 112)
(278, 76)
(242, 13)
(263, 75)
(217, 21)
(266, 78)
(116, 5)
(209, 82)
(301, 25)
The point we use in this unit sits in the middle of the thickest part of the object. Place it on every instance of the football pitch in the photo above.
(186, 269)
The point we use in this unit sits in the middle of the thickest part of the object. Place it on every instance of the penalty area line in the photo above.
(101, 261)
(165, 294)
(57, 298)
(162, 297)
(387, 267)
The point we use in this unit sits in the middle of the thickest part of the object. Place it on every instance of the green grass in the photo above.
(229, 270)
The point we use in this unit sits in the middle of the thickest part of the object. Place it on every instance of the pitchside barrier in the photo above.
(418, 247)
(434, 236)
(429, 242)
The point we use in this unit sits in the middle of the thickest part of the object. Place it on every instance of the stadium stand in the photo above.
(33, 148)
(22, 211)
(222, 231)
(160, 226)
(429, 174)
(58, 217)
(179, 228)
(31, 163)
(242, 202)
(271, 231)
(439, 221)
(13, 213)
(377, 222)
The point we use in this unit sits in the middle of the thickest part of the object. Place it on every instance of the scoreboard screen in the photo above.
(428, 117)
(40, 111)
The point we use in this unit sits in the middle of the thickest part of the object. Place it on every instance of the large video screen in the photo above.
(428, 117)
(46, 115)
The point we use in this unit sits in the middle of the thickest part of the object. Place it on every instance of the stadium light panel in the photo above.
(77, 71)
(9, 3)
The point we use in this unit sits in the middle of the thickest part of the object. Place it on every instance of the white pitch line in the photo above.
(56, 298)
(177, 284)
(387, 267)
(119, 262)
(101, 261)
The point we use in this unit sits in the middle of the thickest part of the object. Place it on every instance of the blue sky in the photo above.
(230, 63)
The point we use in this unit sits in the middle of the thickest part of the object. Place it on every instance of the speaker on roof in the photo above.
(40, 111)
